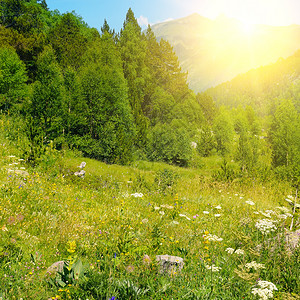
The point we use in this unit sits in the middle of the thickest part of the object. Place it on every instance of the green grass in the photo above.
(52, 215)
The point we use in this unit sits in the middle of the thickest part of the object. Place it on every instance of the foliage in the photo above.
(12, 79)
(170, 143)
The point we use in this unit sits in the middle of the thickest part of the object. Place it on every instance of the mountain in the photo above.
(215, 51)
(262, 87)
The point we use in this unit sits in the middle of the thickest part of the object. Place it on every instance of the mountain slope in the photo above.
(215, 51)
(262, 86)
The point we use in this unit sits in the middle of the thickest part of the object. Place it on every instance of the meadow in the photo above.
(107, 228)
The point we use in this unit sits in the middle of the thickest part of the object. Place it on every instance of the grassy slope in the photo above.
(42, 212)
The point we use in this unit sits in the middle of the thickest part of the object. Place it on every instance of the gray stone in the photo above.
(80, 173)
(170, 264)
(56, 267)
(82, 165)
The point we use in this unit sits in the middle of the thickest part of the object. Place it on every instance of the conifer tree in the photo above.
(133, 52)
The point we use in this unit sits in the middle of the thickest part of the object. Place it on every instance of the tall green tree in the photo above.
(13, 79)
(108, 132)
(284, 134)
(223, 131)
(48, 96)
(133, 52)
(68, 41)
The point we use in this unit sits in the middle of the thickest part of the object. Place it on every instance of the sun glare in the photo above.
(247, 28)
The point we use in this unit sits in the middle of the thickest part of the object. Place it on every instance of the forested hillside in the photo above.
(263, 86)
(107, 94)
(121, 97)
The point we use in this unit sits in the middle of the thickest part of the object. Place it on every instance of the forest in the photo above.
(119, 97)
(165, 167)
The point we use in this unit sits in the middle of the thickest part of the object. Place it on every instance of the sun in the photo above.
(247, 28)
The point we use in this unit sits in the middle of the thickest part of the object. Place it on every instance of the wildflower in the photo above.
(137, 195)
(213, 268)
(218, 207)
(71, 246)
(250, 202)
(265, 214)
(254, 265)
(206, 212)
(239, 252)
(167, 206)
(212, 238)
(283, 209)
(162, 212)
(217, 215)
(184, 216)
(265, 290)
(130, 268)
(156, 207)
(175, 222)
(265, 226)
(145, 221)
(146, 259)
(229, 250)
(4, 228)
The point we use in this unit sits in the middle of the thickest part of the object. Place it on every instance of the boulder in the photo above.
(170, 264)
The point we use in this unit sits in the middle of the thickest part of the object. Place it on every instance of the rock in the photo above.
(170, 264)
(56, 267)
(82, 165)
(80, 173)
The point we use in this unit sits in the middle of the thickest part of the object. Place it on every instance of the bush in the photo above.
(169, 143)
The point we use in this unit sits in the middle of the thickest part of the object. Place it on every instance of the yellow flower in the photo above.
(71, 246)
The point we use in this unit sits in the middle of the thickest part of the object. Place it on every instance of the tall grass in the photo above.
(108, 234)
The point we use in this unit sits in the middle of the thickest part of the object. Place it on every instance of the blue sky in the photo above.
(272, 12)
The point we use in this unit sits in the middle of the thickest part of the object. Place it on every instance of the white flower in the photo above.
(283, 209)
(175, 222)
(265, 226)
(265, 214)
(239, 252)
(254, 265)
(282, 216)
(263, 294)
(267, 285)
(213, 268)
(229, 250)
(212, 238)
(167, 206)
(217, 215)
(206, 212)
(218, 207)
(250, 202)
(265, 290)
(184, 216)
(137, 195)
(156, 207)
(162, 212)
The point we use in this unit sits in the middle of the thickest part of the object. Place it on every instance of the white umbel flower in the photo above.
(265, 226)
(213, 268)
(255, 265)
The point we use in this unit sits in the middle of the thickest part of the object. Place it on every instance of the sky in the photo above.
(93, 12)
